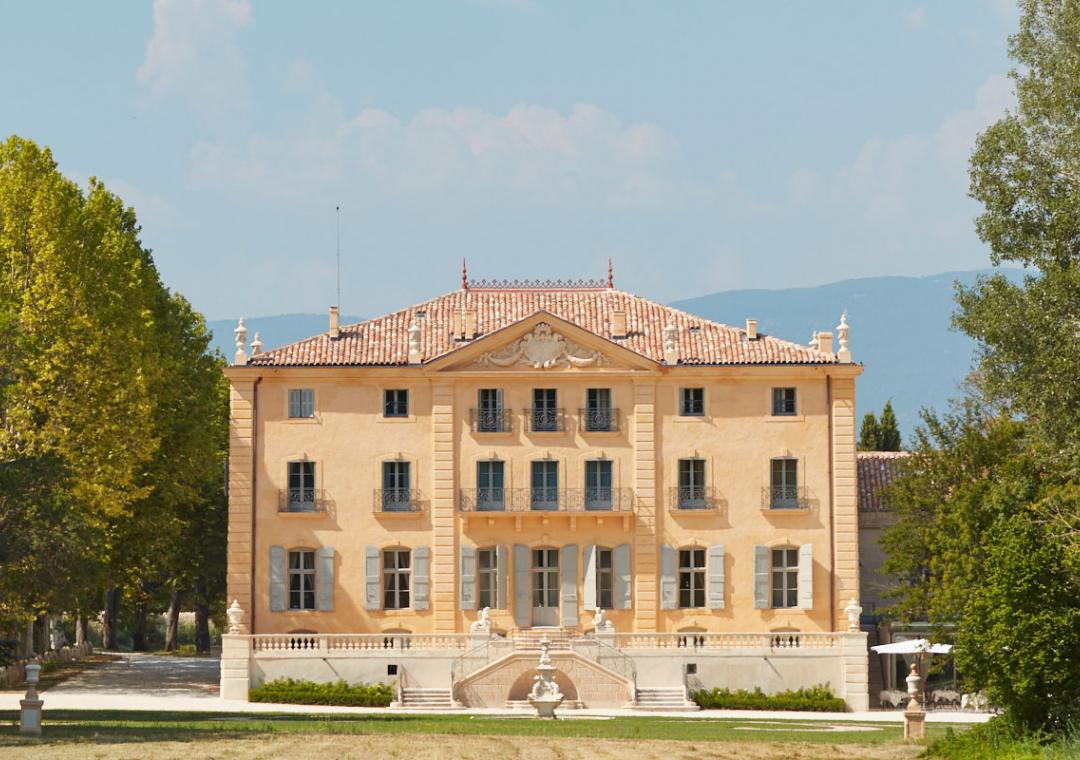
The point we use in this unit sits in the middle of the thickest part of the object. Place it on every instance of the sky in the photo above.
(703, 146)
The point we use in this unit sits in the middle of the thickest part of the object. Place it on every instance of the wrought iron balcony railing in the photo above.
(544, 420)
(491, 420)
(599, 420)
(784, 497)
(301, 500)
(693, 497)
(397, 500)
(546, 500)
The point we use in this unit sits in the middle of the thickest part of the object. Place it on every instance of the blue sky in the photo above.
(704, 146)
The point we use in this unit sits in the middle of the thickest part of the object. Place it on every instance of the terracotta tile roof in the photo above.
(877, 469)
(384, 341)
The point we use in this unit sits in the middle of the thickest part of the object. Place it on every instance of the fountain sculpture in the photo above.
(545, 695)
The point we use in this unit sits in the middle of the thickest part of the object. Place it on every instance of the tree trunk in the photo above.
(138, 627)
(202, 616)
(108, 622)
(81, 630)
(172, 620)
(41, 634)
(28, 640)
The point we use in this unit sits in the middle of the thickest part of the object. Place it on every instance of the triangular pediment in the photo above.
(542, 342)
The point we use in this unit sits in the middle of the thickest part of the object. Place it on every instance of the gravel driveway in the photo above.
(148, 674)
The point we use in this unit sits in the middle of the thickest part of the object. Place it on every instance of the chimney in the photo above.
(335, 329)
(457, 325)
(618, 324)
(751, 329)
(470, 324)
(824, 339)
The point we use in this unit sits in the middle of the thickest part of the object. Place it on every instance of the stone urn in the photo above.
(235, 615)
(545, 695)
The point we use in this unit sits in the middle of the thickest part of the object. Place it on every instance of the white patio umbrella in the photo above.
(912, 646)
(917, 647)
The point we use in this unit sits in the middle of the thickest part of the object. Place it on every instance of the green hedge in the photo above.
(288, 691)
(818, 698)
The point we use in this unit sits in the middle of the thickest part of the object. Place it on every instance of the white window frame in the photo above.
(305, 576)
(784, 578)
(684, 398)
(780, 401)
(695, 573)
(397, 396)
(487, 577)
(397, 580)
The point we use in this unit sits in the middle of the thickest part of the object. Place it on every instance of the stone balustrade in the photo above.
(288, 644)
(727, 641)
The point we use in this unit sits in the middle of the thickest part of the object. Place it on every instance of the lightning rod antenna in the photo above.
(337, 212)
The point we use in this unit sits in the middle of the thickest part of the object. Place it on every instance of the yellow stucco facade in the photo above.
(347, 437)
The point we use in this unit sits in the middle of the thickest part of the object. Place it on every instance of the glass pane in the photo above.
(684, 558)
(699, 558)
(604, 558)
(309, 560)
(294, 560)
(294, 581)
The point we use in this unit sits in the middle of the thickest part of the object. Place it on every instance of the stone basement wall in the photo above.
(13, 675)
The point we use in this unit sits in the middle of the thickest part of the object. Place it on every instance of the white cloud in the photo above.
(538, 153)
(915, 18)
(193, 56)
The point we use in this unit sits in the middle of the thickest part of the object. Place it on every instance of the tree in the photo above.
(888, 430)
(869, 433)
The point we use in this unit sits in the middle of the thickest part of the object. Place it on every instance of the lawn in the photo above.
(78, 734)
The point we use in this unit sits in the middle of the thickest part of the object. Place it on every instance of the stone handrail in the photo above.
(317, 643)
(727, 640)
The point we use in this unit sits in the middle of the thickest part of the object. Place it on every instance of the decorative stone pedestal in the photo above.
(914, 714)
(30, 707)
(235, 665)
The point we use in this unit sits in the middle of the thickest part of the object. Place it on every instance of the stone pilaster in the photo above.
(646, 561)
(241, 499)
(235, 666)
(856, 671)
(845, 500)
(443, 515)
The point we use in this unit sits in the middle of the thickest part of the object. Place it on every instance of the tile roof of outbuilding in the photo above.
(384, 341)
(877, 469)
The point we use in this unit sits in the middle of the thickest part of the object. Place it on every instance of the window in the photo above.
(545, 485)
(396, 496)
(605, 579)
(490, 417)
(396, 403)
(692, 402)
(598, 493)
(487, 576)
(784, 491)
(691, 494)
(301, 487)
(691, 578)
(598, 417)
(785, 578)
(545, 414)
(490, 493)
(301, 402)
(396, 579)
(302, 579)
(783, 402)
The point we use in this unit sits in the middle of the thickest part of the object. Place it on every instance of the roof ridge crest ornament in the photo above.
(581, 283)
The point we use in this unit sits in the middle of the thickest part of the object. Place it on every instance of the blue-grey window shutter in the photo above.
(761, 577)
(372, 579)
(667, 577)
(324, 579)
(623, 586)
(277, 578)
(522, 608)
(502, 577)
(421, 583)
(588, 584)
(568, 563)
(294, 402)
(806, 577)
(467, 600)
(716, 577)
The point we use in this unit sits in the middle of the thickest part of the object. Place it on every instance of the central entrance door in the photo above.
(545, 587)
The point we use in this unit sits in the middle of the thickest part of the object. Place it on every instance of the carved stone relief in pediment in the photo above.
(543, 348)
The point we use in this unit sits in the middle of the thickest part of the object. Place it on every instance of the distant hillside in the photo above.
(900, 329)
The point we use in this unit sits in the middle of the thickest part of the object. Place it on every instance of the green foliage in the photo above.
(869, 433)
(819, 698)
(296, 692)
(997, 740)
(888, 430)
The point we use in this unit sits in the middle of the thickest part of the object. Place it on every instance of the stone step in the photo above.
(663, 698)
(426, 698)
